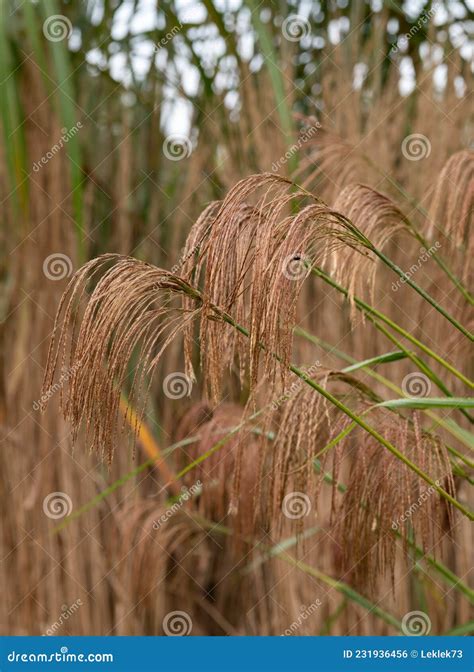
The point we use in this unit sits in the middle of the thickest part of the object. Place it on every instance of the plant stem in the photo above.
(358, 420)
(370, 310)
(450, 426)
(419, 363)
(265, 38)
(341, 587)
(388, 262)
(422, 293)
(420, 238)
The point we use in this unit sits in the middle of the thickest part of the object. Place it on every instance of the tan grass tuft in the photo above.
(380, 220)
(452, 207)
(130, 307)
(384, 496)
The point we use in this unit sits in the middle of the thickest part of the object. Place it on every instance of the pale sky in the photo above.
(176, 111)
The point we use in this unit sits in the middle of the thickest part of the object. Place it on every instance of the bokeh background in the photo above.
(120, 122)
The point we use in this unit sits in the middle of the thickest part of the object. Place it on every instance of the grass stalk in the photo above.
(445, 573)
(67, 110)
(361, 422)
(422, 366)
(340, 586)
(404, 276)
(448, 425)
(370, 310)
(424, 294)
(276, 78)
(420, 238)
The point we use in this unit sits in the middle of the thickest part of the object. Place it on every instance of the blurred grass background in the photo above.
(120, 122)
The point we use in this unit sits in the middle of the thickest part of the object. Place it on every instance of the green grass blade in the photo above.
(273, 551)
(344, 589)
(384, 442)
(413, 202)
(358, 420)
(419, 363)
(447, 424)
(465, 629)
(460, 433)
(284, 545)
(67, 109)
(276, 77)
(423, 293)
(429, 402)
(33, 30)
(103, 494)
(370, 310)
(373, 361)
(11, 117)
(450, 577)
